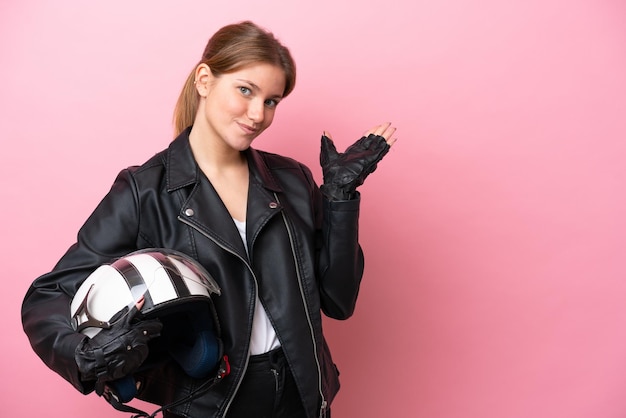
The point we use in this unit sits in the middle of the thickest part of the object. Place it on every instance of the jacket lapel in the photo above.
(202, 206)
(262, 203)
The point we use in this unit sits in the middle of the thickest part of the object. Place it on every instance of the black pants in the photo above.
(267, 390)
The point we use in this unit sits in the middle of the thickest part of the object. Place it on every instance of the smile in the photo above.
(248, 129)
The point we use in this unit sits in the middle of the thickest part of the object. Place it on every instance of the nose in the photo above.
(256, 111)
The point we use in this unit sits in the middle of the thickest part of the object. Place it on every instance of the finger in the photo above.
(328, 152)
(372, 130)
(328, 146)
(140, 302)
(383, 129)
(386, 130)
(136, 308)
(379, 129)
(119, 315)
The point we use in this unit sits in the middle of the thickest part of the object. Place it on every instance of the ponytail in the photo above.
(186, 106)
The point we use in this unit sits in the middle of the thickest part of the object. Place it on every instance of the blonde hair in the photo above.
(230, 49)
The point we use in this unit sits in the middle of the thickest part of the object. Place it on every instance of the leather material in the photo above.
(304, 258)
(344, 172)
(116, 352)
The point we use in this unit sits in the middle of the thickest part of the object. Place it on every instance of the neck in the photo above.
(213, 153)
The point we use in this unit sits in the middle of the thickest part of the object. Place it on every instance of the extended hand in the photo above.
(118, 351)
(344, 172)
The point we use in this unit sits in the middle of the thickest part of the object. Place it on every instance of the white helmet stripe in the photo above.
(175, 274)
(160, 288)
(194, 280)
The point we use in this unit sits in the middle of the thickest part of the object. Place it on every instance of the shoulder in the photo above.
(284, 168)
(156, 162)
(276, 162)
(154, 166)
(131, 180)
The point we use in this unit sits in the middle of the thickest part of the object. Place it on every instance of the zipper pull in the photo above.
(323, 408)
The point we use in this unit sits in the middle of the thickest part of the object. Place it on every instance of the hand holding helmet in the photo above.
(118, 351)
(173, 293)
(344, 172)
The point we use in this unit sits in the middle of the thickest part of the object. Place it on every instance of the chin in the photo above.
(241, 146)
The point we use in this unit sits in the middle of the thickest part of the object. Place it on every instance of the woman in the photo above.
(281, 249)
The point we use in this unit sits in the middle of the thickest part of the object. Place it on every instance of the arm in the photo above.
(108, 233)
(341, 257)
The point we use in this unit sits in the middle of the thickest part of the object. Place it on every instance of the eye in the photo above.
(245, 90)
(271, 103)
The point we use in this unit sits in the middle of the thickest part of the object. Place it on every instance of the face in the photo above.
(236, 107)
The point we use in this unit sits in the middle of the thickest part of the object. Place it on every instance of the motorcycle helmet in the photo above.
(175, 289)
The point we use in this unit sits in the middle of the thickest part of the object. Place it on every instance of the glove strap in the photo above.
(101, 370)
(115, 403)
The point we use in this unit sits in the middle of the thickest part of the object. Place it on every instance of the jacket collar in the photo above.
(183, 171)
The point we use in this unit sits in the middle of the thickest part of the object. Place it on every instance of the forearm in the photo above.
(46, 322)
(341, 258)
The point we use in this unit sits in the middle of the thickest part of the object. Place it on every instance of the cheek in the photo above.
(269, 117)
(236, 106)
(227, 107)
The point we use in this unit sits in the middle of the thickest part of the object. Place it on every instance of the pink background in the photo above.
(494, 231)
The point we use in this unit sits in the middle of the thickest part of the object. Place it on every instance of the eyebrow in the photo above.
(255, 87)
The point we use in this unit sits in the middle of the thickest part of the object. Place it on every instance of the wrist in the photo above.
(334, 192)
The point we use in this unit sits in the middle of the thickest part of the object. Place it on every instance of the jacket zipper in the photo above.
(256, 291)
(324, 404)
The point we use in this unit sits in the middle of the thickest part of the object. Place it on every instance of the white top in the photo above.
(263, 338)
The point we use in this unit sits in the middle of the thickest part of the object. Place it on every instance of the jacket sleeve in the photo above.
(341, 260)
(109, 232)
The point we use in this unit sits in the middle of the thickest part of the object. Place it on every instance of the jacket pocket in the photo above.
(330, 374)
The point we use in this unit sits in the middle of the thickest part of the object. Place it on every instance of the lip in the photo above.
(250, 130)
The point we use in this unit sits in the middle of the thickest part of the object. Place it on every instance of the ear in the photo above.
(203, 79)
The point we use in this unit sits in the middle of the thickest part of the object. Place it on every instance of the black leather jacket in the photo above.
(304, 258)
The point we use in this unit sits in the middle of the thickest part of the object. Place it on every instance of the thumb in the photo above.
(328, 151)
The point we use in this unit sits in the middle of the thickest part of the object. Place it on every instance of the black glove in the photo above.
(118, 351)
(343, 173)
